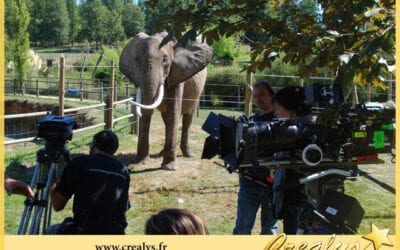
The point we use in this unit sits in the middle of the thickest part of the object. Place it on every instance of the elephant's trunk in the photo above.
(154, 105)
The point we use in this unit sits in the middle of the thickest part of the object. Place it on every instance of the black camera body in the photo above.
(55, 130)
(325, 149)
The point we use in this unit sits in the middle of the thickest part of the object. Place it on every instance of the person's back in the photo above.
(99, 185)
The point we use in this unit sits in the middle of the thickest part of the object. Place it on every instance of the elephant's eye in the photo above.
(164, 59)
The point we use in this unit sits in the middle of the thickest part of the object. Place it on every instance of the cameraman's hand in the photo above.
(18, 187)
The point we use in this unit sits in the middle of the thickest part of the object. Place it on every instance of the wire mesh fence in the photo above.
(82, 88)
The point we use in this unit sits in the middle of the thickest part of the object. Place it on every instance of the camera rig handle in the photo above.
(291, 184)
(375, 180)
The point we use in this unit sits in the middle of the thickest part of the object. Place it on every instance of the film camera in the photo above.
(56, 131)
(326, 152)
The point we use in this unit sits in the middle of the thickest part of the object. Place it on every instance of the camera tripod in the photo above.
(41, 184)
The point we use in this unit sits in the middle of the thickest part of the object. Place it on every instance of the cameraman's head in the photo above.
(290, 102)
(262, 95)
(104, 142)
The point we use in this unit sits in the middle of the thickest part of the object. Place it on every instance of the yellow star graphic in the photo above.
(378, 237)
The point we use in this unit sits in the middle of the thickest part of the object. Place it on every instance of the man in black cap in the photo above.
(99, 183)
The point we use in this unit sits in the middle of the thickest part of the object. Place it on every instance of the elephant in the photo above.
(182, 70)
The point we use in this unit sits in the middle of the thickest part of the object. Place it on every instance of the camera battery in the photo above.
(344, 212)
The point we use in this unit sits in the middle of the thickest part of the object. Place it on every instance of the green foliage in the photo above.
(8, 49)
(100, 24)
(354, 39)
(132, 19)
(224, 48)
(20, 38)
(223, 85)
(74, 20)
(158, 14)
(92, 15)
(50, 22)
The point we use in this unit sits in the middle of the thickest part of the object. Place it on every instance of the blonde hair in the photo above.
(175, 221)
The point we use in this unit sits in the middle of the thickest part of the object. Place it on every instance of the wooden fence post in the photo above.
(134, 120)
(248, 101)
(15, 86)
(238, 97)
(108, 112)
(390, 89)
(355, 96)
(61, 88)
(81, 89)
(101, 95)
(37, 88)
(368, 92)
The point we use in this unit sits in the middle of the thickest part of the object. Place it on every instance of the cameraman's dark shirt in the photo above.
(262, 117)
(100, 186)
(261, 174)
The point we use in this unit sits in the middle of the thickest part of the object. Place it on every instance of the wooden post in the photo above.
(61, 88)
(390, 89)
(15, 86)
(37, 88)
(248, 101)
(126, 94)
(238, 97)
(81, 89)
(134, 120)
(116, 91)
(355, 96)
(368, 92)
(108, 112)
(101, 97)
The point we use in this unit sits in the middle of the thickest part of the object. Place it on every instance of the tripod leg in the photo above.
(23, 224)
(43, 202)
(45, 196)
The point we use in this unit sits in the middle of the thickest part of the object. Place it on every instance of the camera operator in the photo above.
(99, 183)
(255, 183)
(289, 102)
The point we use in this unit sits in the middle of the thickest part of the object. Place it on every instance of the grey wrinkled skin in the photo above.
(183, 70)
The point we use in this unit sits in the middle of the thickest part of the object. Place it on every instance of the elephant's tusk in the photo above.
(139, 100)
(156, 103)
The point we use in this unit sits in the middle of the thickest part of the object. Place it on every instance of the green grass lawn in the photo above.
(198, 185)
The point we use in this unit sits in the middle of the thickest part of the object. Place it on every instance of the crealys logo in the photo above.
(373, 241)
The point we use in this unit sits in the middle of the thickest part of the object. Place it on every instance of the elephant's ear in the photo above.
(128, 55)
(189, 60)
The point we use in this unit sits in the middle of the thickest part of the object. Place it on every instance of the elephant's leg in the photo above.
(164, 118)
(174, 97)
(143, 139)
(186, 122)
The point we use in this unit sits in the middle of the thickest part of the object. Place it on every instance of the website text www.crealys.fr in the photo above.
(139, 246)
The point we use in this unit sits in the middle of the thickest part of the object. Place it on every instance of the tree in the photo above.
(99, 24)
(158, 14)
(37, 14)
(113, 4)
(354, 39)
(19, 36)
(93, 23)
(74, 22)
(132, 19)
(55, 24)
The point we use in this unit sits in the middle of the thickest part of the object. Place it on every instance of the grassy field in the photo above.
(198, 185)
